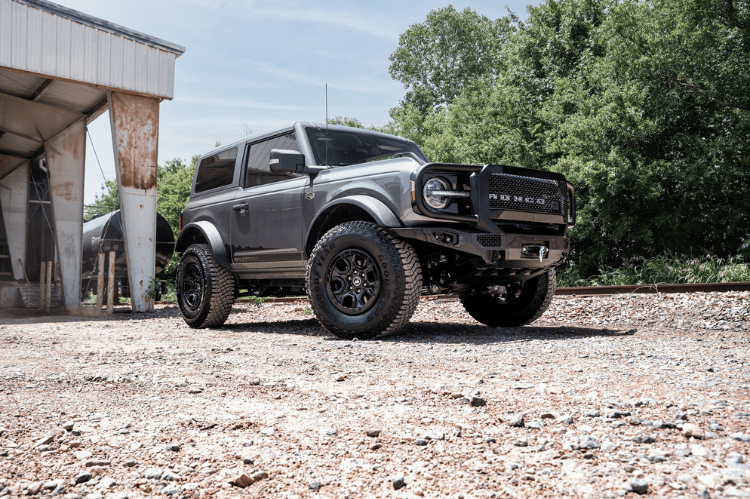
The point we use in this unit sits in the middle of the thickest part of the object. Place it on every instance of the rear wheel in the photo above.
(522, 304)
(363, 283)
(205, 289)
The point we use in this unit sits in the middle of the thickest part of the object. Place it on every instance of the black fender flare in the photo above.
(378, 210)
(210, 233)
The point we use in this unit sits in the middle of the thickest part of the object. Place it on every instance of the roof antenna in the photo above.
(326, 124)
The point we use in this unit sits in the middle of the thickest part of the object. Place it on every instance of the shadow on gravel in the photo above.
(418, 332)
(442, 332)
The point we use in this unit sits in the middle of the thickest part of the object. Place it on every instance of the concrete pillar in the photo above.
(66, 156)
(135, 137)
(14, 199)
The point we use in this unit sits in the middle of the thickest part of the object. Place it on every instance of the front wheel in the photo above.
(205, 289)
(522, 304)
(363, 283)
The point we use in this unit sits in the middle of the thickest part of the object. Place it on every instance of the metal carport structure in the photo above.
(59, 70)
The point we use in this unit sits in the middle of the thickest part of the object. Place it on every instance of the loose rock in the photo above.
(397, 481)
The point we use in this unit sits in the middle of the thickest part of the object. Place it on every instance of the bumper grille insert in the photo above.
(490, 240)
(513, 192)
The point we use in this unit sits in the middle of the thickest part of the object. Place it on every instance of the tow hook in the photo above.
(542, 251)
(535, 249)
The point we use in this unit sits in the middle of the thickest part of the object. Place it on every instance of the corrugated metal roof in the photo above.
(51, 40)
(105, 25)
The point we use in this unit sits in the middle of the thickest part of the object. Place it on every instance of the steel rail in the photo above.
(712, 287)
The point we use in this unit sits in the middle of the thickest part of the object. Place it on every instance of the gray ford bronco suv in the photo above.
(365, 225)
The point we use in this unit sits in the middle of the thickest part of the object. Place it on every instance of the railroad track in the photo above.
(713, 287)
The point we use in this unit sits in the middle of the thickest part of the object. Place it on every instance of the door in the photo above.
(267, 216)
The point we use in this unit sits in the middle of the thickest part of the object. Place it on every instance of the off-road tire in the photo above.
(398, 288)
(205, 289)
(533, 300)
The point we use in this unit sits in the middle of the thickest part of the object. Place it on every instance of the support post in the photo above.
(42, 284)
(14, 198)
(111, 284)
(66, 155)
(135, 137)
(100, 283)
(48, 285)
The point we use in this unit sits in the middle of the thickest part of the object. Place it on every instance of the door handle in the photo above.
(242, 208)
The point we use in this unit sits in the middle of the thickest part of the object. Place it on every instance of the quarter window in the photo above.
(216, 171)
(258, 157)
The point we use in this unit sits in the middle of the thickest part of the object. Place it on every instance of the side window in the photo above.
(216, 171)
(258, 172)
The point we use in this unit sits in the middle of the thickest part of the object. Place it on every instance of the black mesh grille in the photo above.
(512, 192)
(490, 240)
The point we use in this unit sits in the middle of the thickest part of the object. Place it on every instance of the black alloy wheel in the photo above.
(353, 281)
(193, 284)
(362, 282)
(205, 289)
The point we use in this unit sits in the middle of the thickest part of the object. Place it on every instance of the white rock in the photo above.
(692, 430)
(589, 442)
(608, 446)
(700, 451)
(106, 483)
(82, 455)
(710, 481)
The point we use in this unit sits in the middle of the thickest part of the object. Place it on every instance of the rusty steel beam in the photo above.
(20, 155)
(135, 137)
(66, 157)
(96, 111)
(34, 120)
(33, 138)
(42, 88)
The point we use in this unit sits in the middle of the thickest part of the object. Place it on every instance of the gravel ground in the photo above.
(603, 397)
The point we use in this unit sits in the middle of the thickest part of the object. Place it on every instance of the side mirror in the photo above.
(286, 161)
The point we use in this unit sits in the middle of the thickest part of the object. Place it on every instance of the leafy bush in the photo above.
(666, 269)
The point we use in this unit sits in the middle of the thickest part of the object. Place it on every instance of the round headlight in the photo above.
(436, 184)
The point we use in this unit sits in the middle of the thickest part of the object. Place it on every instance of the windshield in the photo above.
(353, 147)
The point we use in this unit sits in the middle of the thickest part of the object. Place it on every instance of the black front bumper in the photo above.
(499, 249)
(483, 215)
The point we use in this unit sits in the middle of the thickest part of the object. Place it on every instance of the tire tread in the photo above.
(412, 280)
(221, 290)
(480, 306)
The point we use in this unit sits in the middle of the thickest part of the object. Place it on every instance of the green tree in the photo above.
(344, 121)
(437, 58)
(642, 104)
(174, 182)
(106, 201)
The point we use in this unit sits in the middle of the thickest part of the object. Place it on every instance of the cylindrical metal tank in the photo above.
(104, 234)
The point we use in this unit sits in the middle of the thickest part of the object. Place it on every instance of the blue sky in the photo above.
(254, 65)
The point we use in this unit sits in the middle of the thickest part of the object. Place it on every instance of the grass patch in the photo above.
(667, 269)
